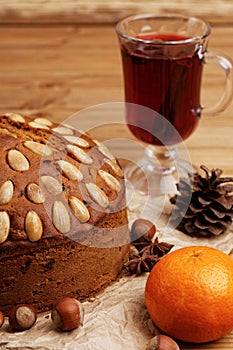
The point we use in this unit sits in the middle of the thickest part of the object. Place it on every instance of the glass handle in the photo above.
(226, 97)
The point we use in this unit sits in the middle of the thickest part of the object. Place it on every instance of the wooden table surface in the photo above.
(57, 70)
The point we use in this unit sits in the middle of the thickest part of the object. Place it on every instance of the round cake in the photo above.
(63, 219)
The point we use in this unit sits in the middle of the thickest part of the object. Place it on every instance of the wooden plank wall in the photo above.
(107, 11)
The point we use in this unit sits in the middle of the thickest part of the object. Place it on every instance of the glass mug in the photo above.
(163, 59)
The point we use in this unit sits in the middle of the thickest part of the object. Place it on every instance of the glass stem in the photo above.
(162, 159)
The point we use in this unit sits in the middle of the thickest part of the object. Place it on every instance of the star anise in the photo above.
(141, 264)
(157, 248)
(147, 257)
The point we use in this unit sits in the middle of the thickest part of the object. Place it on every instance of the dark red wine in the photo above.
(167, 85)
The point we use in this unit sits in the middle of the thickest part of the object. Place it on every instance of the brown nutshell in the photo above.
(142, 230)
(1, 319)
(67, 314)
(162, 342)
(22, 317)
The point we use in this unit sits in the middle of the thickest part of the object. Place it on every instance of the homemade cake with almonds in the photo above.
(63, 220)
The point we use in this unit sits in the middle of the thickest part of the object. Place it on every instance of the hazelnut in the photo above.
(22, 317)
(162, 342)
(68, 314)
(1, 319)
(142, 230)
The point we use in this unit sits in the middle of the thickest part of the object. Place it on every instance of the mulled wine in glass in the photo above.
(163, 60)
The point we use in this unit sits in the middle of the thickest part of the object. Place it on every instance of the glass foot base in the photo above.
(157, 174)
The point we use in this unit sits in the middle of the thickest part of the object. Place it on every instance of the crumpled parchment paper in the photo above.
(116, 319)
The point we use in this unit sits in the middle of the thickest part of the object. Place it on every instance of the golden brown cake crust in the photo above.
(63, 221)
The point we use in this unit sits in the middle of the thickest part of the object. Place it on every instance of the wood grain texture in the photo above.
(59, 70)
(105, 11)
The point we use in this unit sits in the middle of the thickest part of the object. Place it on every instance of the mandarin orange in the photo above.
(189, 294)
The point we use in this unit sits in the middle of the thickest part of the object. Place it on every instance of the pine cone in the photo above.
(210, 210)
